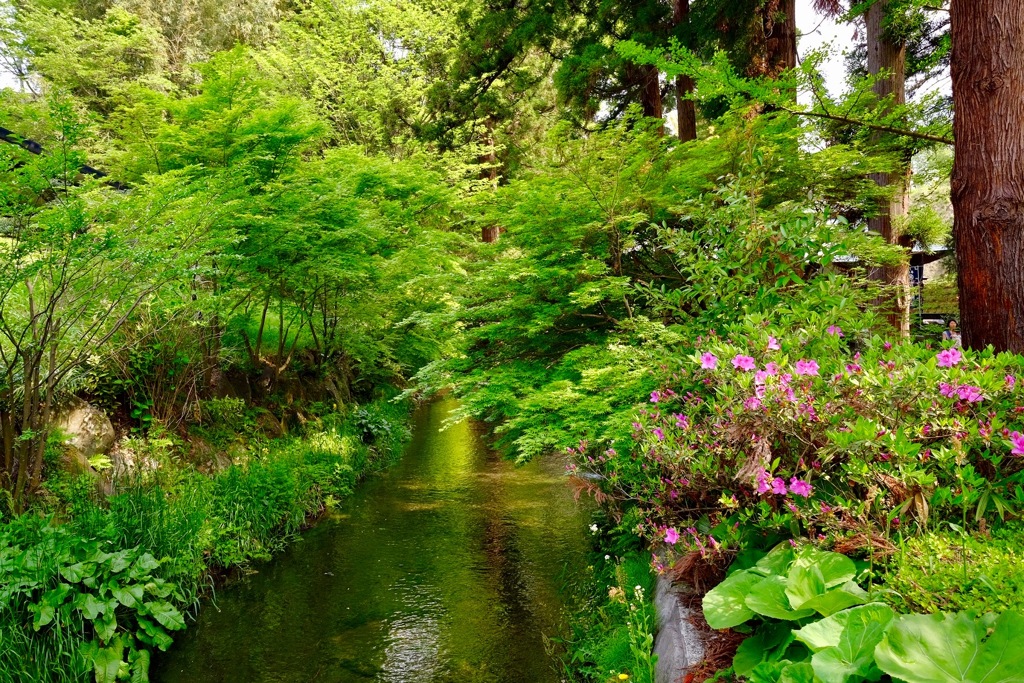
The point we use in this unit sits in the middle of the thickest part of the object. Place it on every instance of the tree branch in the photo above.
(873, 126)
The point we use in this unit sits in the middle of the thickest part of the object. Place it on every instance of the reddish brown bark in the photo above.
(779, 19)
(890, 57)
(686, 110)
(988, 173)
(650, 92)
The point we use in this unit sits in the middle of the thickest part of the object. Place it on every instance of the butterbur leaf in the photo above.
(724, 605)
(106, 626)
(804, 583)
(954, 648)
(145, 564)
(44, 614)
(826, 633)
(837, 599)
(801, 672)
(75, 573)
(778, 561)
(167, 614)
(106, 661)
(140, 666)
(153, 634)
(130, 596)
(768, 598)
(757, 647)
(90, 606)
(815, 572)
(852, 659)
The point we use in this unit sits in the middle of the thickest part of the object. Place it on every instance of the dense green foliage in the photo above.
(103, 581)
(290, 223)
(845, 636)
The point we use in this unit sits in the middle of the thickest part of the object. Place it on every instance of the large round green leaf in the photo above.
(725, 606)
(954, 648)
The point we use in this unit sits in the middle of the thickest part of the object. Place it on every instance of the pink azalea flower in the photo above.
(887, 346)
(1018, 443)
(969, 394)
(799, 487)
(947, 389)
(949, 358)
(1011, 382)
(772, 369)
(835, 330)
(806, 367)
(763, 482)
(773, 344)
(752, 403)
(761, 376)
(682, 421)
(853, 368)
(655, 396)
(671, 536)
(779, 486)
(709, 361)
(658, 433)
(741, 362)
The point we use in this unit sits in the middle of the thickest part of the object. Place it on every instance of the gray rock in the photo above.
(87, 429)
(678, 644)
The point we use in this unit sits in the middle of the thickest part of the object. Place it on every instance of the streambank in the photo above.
(92, 586)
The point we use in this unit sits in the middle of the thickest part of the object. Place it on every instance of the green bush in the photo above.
(812, 622)
(81, 603)
(949, 572)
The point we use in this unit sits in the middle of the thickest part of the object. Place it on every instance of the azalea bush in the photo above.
(841, 438)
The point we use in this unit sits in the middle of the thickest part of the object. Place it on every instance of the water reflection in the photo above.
(448, 568)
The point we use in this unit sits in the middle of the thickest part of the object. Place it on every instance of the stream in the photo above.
(450, 567)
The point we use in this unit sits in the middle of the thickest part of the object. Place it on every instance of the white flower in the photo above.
(593, 528)
(607, 557)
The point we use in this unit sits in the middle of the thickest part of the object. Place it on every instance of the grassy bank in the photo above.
(92, 584)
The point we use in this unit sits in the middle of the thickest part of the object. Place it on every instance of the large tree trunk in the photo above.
(988, 173)
(686, 110)
(650, 92)
(886, 55)
(779, 20)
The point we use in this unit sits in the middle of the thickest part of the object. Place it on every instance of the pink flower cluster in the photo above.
(741, 362)
(777, 486)
(966, 392)
(949, 358)
(807, 367)
(1017, 439)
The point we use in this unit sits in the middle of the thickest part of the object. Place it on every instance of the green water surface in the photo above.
(450, 567)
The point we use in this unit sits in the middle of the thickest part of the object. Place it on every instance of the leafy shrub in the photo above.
(813, 623)
(225, 420)
(73, 587)
(951, 572)
(807, 433)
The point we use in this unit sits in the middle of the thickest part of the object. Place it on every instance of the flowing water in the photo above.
(450, 567)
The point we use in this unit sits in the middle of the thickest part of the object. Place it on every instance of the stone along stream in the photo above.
(450, 567)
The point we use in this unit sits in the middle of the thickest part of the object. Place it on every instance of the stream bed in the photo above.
(451, 567)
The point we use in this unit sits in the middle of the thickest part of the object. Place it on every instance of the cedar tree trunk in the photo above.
(886, 55)
(988, 173)
(686, 110)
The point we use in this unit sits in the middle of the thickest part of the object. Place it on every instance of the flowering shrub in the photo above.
(822, 435)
